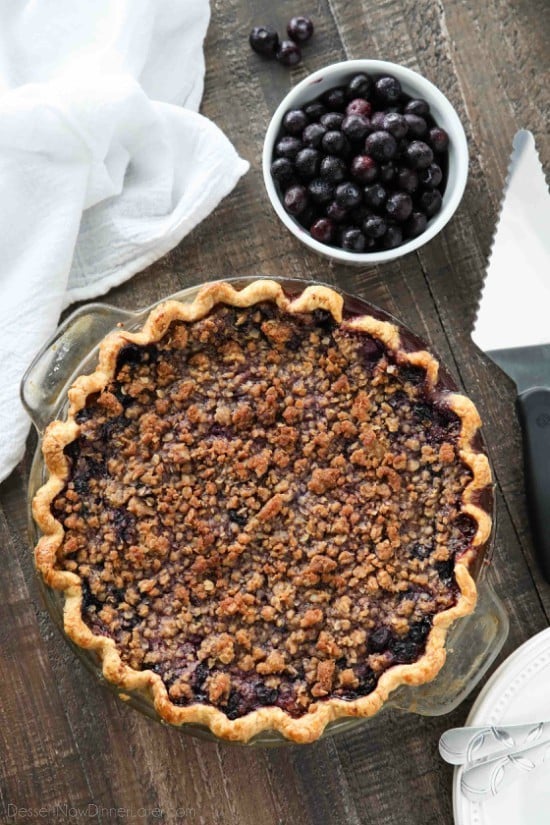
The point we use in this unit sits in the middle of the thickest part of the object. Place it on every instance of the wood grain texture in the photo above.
(65, 740)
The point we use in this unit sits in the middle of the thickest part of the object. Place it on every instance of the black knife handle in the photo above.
(534, 414)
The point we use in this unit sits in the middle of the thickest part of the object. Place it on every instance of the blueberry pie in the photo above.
(264, 510)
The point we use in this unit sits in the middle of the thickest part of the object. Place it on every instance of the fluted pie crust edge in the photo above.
(59, 434)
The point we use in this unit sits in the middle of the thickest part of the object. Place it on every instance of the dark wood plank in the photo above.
(64, 739)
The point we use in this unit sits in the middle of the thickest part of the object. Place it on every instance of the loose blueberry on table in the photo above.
(265, 41)
(300, 29)
(288, 53)
(364, 144)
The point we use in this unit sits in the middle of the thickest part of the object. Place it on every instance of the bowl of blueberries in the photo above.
(365, 161)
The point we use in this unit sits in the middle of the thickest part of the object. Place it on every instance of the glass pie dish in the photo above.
(471, 645)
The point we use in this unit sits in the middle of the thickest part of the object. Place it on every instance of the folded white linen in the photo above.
(101, 171)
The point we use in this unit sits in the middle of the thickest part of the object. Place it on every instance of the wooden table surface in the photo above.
(64, 740)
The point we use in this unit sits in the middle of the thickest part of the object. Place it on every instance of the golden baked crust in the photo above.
(59, 435)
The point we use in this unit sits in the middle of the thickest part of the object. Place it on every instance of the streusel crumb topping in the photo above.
(265, 510)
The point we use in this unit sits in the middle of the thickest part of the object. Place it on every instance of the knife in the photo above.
(513, 321)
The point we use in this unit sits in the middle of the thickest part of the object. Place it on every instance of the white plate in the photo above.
(519, 691)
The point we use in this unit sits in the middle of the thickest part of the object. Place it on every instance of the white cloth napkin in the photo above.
(105, 164)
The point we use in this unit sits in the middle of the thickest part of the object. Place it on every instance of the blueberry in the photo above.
(336, 212)
(402, 146)
(360, 85)
(333, 168)
(419, 155)
(370, 351)
(313, 134)
(424, 413)
(379, 639)
(358, 214)
(295, 200)
(396, 125)
(415, 225)
(393, 237)
(288, 147)
(431, 177)
(322, 230)
(417, 106)
(288, 53)
(300, 29)
(417, 125)
(359, 106)
(314, 110)
(234, 707)
(355, 127)
(420, 551)
(335, 99)
(377, 121)
(419, 631)
(445, 569)
(348, 195)
(308, 216)
(374, 195)
(353, 240)
(439, 139)
(282, 170)
(464, 523)
(240, 519)
(200, 673)
(367, 680)
(295, 121)
(430, 202)
(406, 180)
(374, 226)
(399, 206)
(81, 485)
(386, 172)
(307, 162)
(404, 651)
(264, 40)
(364, 168)
(265, 695)
(334, 143)
(332, 121)
(388, 89)
(324, 319)
(320, 190)
(381, 145)
(416, 376)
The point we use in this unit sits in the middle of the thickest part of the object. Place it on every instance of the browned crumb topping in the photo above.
(264, 509)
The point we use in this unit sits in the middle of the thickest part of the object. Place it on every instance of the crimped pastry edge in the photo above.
(59, 434)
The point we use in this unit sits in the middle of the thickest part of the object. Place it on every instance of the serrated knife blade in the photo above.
(513, 320)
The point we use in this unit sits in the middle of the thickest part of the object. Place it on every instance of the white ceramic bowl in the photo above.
(414, 85)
